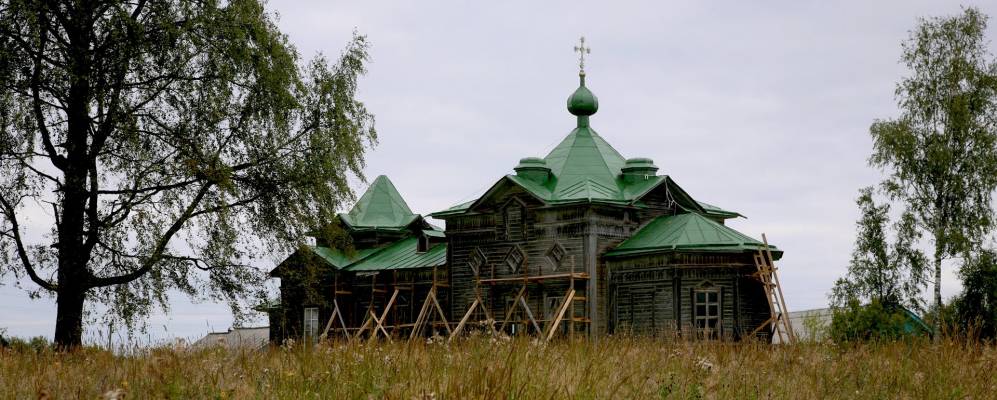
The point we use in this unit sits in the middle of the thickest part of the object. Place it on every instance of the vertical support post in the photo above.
(591, 267)
(571, 314)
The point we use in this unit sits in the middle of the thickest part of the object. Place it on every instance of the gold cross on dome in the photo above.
(582, 51)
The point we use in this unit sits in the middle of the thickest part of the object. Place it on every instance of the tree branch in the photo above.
(160, 248)
(8, 211)
(57, 159)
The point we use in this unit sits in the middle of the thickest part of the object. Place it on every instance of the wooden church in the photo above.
(390, 265)
(580, 242)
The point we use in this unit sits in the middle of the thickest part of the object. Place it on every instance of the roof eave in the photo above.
(776, 254)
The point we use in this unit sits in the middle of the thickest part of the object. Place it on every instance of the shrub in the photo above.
(874, 321)
(36, 344)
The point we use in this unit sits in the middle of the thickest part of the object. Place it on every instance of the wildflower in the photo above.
(114, 394)
(704, 364)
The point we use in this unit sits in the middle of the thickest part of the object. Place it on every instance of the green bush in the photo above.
(976, 307)
(36, 344)
(874, 321)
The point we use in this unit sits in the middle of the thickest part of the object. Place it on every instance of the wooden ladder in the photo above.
(778, 322)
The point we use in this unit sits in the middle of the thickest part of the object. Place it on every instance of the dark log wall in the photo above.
(307, 282)
(512, 219)
(654, 294)
(513, 222)
(301, 288)
(512, 234)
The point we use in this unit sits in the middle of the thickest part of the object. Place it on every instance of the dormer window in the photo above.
(514, 217)
(423, 244)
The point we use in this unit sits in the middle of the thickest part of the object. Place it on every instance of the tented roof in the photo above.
(380, 207)
(584, 167)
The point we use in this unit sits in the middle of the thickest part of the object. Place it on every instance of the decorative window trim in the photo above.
(476, 260)
(556, 255)
(515, 259)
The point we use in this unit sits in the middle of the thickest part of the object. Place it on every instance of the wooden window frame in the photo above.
(310, 334)
(702, 318)
(422, 245)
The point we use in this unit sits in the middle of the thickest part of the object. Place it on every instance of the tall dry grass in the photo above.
(616, 367)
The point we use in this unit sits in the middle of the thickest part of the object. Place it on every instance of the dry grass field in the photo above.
(514, 369)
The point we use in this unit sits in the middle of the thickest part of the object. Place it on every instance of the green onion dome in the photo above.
(582, 102)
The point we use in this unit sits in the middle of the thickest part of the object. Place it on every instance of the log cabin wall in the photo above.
(654, 294)
(300, 288)
(485, 244)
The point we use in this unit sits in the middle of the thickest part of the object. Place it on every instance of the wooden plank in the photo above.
(529, 315)
(419, 319)
(378, 326)
(384, 314)
(328, 325)
(519, 279)
(560, 314)
(366, 323)
(463, 320)
(439, 309)
(782, 300)
(341, 321)
(512, 308)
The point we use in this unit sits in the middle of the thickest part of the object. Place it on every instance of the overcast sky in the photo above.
(758, 107)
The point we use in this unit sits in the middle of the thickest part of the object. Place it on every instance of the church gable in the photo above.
(501, 193)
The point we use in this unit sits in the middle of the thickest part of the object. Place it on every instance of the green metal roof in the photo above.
(380, 207)
(340, 259)
(689, 232)
(584, 167)
(713, 210)
(456, 209)
(434, 233)
(403, 254)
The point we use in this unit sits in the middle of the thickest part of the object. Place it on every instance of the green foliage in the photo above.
(976, 306)
(36, 344)
(940, 154)
(814, 328)
(175, 141)
(887, 273)
(874, 321)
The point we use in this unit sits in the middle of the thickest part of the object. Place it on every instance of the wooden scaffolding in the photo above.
(778, 322)
(337, 313)
(430, 313)
(547, 326)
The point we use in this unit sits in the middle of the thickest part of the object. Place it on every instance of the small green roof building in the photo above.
(385, 246)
